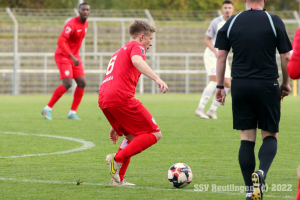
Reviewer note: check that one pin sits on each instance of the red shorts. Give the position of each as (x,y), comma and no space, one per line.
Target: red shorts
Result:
(133,119)
(66,68)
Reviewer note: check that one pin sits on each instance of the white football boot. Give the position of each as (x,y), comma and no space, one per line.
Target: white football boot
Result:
(200,112)
(114,166)
(122,183)
(212,114)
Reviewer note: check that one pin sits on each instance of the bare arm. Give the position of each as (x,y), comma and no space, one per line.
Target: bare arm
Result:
(285,88)
(144,68)
(221,66)
(210,45)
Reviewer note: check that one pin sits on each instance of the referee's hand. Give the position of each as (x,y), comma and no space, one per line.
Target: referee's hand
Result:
(285,90)
(220,96)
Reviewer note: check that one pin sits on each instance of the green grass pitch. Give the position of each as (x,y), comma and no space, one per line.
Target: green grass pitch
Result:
(209,147)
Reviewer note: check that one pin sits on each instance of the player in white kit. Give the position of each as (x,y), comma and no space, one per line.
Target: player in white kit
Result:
(210,62)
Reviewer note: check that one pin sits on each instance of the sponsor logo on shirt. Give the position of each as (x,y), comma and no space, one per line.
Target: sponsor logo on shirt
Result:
(79,30)
(142,49)
(68,29)
(108,79)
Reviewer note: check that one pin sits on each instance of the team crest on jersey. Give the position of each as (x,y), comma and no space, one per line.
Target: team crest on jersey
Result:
(67,72)
(209,30)
(68,29)
(142,49)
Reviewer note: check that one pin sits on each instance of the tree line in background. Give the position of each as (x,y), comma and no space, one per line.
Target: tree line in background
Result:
(146,4)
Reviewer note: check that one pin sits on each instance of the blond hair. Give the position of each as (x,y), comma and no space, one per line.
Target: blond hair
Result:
(140,26)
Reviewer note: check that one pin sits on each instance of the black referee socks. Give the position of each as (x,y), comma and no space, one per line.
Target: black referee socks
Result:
(247,161)
(267,153)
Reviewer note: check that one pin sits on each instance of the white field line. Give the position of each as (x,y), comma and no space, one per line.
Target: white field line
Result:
(135,187)
(86,145)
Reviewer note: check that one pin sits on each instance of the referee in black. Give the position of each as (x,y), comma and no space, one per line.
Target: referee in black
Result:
(254,36)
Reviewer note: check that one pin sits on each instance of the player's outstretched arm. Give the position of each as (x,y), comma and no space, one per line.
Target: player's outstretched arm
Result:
(221,66)
(285,88)
(144,68)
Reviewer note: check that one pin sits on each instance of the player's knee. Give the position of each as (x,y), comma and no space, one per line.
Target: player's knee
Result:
(67,83)
(81,84)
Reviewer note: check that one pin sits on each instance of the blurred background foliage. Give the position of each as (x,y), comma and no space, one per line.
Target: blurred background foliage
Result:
(277,5)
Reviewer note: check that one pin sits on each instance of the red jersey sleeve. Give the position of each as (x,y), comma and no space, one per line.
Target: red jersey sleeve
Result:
(139,50)
(68,30)
(62,43)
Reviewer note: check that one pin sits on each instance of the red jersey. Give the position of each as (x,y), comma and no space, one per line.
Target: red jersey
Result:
(74,31)
(296,47)
(121,78)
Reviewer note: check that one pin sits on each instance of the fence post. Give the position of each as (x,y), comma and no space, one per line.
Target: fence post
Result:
(100,67)
(16,75)
(153,48)
(95,39)
(123,33)
(187,76)
(45,74)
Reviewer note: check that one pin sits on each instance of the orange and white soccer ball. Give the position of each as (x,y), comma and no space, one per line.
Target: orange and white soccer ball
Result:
(180,175)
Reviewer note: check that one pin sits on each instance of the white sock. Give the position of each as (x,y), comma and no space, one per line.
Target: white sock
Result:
(48,108)
(207,92)
(216,104)
(72,112)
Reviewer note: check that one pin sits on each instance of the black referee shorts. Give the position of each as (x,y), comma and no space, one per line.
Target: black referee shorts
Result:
(255,103)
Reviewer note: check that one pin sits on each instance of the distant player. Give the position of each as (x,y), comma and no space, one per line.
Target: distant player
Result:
(68,61)
(125,113)
(210,62)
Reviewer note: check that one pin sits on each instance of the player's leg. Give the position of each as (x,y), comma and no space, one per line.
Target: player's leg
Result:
(66,74)
(210,63)
(215,104)
(137,121)
(127,139)
(79,76)
(247,157)
(206,94)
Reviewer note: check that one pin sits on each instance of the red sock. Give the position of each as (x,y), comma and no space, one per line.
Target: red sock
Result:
(125,161)
(58,92)
(137,145)
(298,193)
(77,98)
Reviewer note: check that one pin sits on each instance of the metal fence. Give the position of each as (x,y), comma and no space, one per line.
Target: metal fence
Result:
(29,43)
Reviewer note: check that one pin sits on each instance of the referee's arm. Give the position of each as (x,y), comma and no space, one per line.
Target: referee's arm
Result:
(221,66)
(285,88)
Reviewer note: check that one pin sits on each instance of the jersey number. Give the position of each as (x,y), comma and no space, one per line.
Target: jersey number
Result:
(111,65)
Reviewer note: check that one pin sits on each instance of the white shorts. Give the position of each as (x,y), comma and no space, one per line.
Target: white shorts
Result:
(210,62)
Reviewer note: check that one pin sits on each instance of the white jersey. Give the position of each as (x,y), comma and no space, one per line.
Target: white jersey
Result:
(210,59)
(212,31)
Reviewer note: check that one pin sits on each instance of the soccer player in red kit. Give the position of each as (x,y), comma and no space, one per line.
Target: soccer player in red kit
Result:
(124,112)
(293,66)
(68,61)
